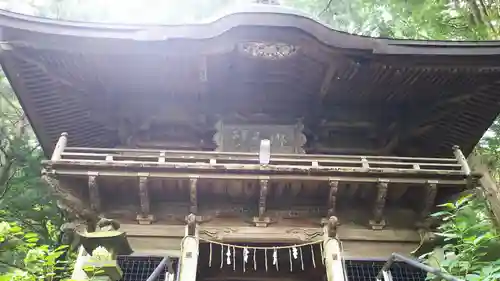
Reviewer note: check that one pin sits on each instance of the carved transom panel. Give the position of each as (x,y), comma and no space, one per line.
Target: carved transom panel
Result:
(247,137)
(268,50)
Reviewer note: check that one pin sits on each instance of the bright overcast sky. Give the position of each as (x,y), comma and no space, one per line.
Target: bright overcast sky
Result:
(123,11)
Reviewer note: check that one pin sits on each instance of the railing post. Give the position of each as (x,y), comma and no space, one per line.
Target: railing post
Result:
(461,160)
(60,147)
(166,262)
(265,152)
(386,276)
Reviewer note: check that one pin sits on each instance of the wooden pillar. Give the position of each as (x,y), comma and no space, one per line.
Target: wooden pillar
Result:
(378,221)
(60,146)
(429,202)
(95,200)
(262,220)
(189,251)
(332,251)
(264,183)
(193,195)
(145,216)
(332,197)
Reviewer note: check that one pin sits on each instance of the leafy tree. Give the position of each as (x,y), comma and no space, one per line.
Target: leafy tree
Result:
(471,243)
(20,183)
(30,260)
(29,221)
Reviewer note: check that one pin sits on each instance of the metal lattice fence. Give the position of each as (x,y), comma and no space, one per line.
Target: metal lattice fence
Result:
(359,270)
(137,268)
(140,268)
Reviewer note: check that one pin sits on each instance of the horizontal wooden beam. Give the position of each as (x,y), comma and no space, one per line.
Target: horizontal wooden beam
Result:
(272,233)
(173,175)
(348,124)
(314,168)
(353,249)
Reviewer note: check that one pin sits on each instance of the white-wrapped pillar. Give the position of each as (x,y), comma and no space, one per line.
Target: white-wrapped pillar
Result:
(189,252)
(333,260)
(332,251)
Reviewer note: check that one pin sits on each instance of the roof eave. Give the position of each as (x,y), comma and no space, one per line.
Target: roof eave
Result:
(252,16)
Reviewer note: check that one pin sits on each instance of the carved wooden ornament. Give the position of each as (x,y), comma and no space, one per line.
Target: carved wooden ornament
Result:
(193,184)
(268,50)
(332,197)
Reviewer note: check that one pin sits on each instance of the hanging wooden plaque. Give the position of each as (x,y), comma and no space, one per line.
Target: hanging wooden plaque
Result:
(247,137)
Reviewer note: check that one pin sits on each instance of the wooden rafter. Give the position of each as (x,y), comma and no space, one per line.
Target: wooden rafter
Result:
(418,124)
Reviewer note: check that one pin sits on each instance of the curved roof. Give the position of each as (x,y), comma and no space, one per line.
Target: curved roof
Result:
(256,15)
(438,93)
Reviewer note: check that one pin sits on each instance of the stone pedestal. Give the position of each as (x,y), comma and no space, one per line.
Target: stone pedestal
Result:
(104,246)
(103,270)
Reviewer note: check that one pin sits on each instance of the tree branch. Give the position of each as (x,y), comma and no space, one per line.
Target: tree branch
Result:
(326,7)
(6,183)
(10,103)
(5,172)
(18,267)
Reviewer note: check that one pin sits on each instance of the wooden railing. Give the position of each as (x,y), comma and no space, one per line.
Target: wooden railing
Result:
(247,162)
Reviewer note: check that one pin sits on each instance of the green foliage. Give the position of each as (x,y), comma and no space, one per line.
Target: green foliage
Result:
(30,260)
(409,19)
(471,244)
(29,219)
(489,150)
(24,198)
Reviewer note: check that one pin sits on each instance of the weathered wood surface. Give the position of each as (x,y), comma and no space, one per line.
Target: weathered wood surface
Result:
(287,188)
(246,137)
(356,249)
(247,168)
(241,163)
(271,234)
(151,155)
(364,178)
(357,243)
